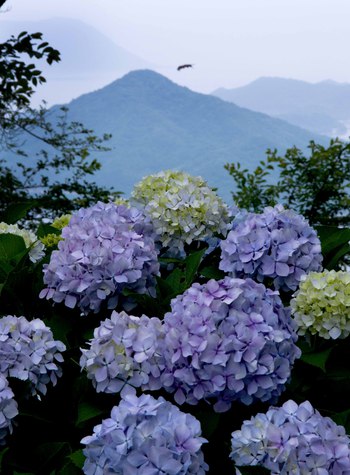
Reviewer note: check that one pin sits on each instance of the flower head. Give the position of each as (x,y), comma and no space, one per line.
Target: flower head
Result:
(145,436)
(292,439)
(8,408)
(105,249)
(228,340)
(277,244)
(124,350)
(31,241)
(322,304)
(182,208)
(29,352)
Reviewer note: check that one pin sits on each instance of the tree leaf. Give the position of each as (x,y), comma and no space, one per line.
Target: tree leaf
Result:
(17,211)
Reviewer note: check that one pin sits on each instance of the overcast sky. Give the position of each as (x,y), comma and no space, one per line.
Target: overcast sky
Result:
(230,42)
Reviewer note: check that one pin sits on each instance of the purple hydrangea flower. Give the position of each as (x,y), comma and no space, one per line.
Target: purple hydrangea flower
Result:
(105,249)
(277,244)
(29,352)
(292,439)
(228,340)
(125,349)
(145,436)
(8,408)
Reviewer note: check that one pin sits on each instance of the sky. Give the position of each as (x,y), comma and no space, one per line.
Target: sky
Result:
(230,42)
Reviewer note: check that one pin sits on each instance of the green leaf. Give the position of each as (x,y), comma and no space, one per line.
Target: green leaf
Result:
(45,229)
(87,411)
(192,263)
(17,211)
(212,273)
(12,250)
(318,359)
(335,244)
(78,458)
(175,281)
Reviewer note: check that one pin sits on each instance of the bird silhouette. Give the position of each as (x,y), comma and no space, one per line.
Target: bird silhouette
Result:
(183,66)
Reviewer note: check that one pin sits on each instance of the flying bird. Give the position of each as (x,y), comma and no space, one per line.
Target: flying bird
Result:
(183,66)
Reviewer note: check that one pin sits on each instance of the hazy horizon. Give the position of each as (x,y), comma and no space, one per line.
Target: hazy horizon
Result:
(231,43)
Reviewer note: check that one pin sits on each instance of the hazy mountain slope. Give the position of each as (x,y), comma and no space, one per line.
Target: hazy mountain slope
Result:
(89,59)
(158,125)
(323,107)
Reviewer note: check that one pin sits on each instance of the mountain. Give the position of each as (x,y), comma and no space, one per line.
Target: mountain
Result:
(157,125)
(89,59)
(322,108)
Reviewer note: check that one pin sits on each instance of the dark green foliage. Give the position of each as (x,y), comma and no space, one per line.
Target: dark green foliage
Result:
(314,185)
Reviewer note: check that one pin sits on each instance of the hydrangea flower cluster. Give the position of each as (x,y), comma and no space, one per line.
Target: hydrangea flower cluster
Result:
(228,340)
(105,249)
(322,304)
(182,208)
(29,352)
(36,252)
(145,436)
(125,349)
(51,239)
(8,408)
(292,439)
(277,244)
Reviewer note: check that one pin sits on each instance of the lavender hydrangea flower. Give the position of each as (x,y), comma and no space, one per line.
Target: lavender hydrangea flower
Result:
(125,349)
(105,249)
(182,208)
(8,408)
(228,340)
(292,439)
(145,436)
(29,352)
(277,244)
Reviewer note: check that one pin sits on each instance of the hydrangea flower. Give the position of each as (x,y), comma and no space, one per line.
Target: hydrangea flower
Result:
(29,352)
(125,349)
(277,244)
(292,439)
(322,304)
(8,408)
(31,241)
(105,249)
(228,340)
(51,239)
(145,436)
(182,208)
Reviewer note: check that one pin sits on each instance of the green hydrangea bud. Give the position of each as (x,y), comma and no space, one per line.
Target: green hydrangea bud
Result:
(322,304)
(182,208)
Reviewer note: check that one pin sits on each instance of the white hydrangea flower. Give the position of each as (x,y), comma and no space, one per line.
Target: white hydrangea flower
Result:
(30,239)
(322,304)
(182,208)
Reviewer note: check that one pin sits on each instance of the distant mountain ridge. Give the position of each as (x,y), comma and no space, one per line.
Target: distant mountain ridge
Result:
(89,59)
(157,125)
(323,107)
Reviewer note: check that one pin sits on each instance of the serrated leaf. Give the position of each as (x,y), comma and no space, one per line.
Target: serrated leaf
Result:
(87,411)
